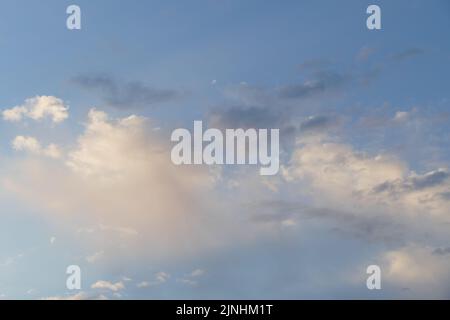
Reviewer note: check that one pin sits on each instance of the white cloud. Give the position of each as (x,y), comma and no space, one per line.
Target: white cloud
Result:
(77,296)
(191,279)
(162,277)
(345,179)
(37,108)
(418,269)
(339,173)
(11,260)
(95,257)
(143,284)
(197,273)
(33,146)
(108,285)
(31,291)
(401,116)
(119,176)
(188,282)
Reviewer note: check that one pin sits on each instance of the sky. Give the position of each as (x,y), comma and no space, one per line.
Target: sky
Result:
(85,171)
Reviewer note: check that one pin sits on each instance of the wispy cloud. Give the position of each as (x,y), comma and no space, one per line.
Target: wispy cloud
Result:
(125,95)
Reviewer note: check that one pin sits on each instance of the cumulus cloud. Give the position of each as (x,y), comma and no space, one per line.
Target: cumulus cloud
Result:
(37,108)
(33,146)
(118,179)
(376,197)
(418,269)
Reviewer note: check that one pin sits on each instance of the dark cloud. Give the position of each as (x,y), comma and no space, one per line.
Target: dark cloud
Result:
(259,107)
(367,227)
(445,195)
(428,180)
(132,94)
(407,54)
(442,251)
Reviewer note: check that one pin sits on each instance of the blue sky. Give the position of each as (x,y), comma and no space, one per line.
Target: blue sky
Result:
(363,118)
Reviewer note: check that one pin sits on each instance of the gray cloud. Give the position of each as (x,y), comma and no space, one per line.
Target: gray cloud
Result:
(428,180)
(445,195)
(279,106)
(133,94)
(245,117)
(321,82)
(400,56)
(367,227)
(442,251)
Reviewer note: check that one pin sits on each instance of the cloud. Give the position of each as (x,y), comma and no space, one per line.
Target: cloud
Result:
(78,296)
(197,273)
(318,123)
(143,284)
(117,179)
(415,182)
(192,278)
(376,197)
(442,251)
(418,269)
(37,108)
(282,107)
(11,260)
(95,257)
(321,82)
(106,285)
(245,117)
(124,95)
(160,277)
(402,116)
(188,282)
(364,53)
(33,146)
(406,54)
